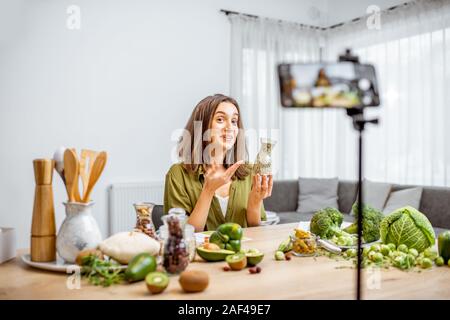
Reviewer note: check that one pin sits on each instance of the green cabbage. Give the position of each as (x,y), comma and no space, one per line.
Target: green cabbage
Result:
(407,226)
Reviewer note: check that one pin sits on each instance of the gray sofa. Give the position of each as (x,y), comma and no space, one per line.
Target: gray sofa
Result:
(435,202)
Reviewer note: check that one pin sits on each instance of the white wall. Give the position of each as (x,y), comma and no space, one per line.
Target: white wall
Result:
(122,83)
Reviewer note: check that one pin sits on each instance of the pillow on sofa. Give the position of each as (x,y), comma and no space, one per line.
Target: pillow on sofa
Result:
(375,194)
(402,198)
(316,194)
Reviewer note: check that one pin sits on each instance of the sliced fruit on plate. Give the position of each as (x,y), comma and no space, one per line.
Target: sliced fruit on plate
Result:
(213,255)
(237,261)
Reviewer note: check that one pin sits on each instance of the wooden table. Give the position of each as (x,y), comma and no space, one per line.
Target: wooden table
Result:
(299,278)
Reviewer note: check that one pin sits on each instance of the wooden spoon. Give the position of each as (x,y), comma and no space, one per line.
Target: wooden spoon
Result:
(96,171)
(71,174)
(87,159)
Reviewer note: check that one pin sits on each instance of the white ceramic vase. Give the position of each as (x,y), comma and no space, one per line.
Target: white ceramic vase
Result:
(78,231)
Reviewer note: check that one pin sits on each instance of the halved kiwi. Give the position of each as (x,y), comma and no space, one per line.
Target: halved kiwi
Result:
(156,282)
(237,261)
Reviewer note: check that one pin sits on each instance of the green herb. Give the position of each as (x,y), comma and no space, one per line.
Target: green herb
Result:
(101,272)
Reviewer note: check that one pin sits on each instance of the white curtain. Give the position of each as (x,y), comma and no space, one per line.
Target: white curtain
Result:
(411,52)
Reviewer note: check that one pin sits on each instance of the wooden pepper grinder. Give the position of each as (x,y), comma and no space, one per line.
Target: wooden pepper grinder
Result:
(43,228)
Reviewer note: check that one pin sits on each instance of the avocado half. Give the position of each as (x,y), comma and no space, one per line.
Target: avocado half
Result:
(254,257)
(213,255)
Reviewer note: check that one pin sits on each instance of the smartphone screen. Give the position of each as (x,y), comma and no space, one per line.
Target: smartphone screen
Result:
(328,85)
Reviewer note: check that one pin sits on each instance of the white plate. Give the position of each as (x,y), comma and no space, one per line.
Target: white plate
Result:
(304,225)
(58,266)
(270,221)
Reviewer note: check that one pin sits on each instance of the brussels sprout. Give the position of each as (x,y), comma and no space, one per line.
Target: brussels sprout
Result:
(411,260)
(385,250)
(350,253)
(375,247)
(396,254)
(430,254)
(439,261)
(403,248)
(414,252)
(366,251)
(279,255)
(426,263)
(392,246)
(377,257)
(419,261)
(341,241)
(401,262)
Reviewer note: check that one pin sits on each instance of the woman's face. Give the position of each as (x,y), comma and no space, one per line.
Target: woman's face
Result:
(224,125)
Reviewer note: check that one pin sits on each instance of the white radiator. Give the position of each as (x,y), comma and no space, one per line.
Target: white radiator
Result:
(122,196)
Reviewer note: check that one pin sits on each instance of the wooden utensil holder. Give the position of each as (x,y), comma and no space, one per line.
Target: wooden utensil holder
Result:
(43,227)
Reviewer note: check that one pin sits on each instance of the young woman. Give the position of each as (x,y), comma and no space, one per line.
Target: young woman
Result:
(210,183)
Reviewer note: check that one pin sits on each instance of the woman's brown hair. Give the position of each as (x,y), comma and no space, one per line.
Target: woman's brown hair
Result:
(204,113)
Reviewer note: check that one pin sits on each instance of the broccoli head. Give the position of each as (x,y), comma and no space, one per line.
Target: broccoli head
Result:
(371,223)
(326,223)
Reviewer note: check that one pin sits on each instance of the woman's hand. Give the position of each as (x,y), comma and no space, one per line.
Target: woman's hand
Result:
(261,188)
(214,178)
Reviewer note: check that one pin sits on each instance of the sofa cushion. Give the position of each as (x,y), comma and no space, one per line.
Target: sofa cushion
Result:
(375,194)
(316,194)
(284,196)
(402,198)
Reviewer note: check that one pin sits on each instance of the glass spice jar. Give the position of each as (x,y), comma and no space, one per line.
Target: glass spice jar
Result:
(303,243)
(144,221)
(176,253)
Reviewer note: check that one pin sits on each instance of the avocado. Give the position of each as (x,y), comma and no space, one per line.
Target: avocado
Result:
(141,265)
(254,256)
(213,255)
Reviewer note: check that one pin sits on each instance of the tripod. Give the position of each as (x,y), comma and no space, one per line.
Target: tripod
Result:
(359,123)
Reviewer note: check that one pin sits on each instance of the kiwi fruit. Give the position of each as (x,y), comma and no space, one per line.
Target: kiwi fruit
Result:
(86,253)
(156,282)
(194,280)
(237,261)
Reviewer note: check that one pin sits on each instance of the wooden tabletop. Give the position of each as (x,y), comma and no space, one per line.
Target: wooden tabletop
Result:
(299,278)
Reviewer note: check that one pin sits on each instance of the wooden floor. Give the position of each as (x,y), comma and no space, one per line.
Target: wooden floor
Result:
(299,278)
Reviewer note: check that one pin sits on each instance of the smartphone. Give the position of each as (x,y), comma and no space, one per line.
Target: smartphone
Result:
(328,85)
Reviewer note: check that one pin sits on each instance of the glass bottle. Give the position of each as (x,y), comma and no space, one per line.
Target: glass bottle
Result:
(263,163)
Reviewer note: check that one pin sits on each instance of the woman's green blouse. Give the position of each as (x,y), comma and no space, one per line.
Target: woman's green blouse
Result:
(182,190)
